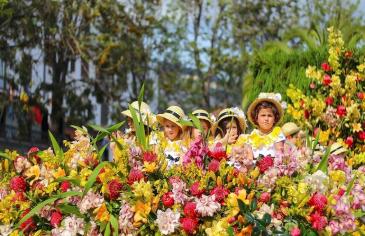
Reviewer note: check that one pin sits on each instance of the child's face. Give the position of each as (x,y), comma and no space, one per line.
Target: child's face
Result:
(265,119)
(196,132)
(171,130)
(232,128)
(130,123)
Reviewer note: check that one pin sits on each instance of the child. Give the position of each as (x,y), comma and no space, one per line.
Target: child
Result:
(205,123)
(173,131)
(265,113)
(293,134)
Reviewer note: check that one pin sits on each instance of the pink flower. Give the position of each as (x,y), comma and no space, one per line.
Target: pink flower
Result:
(190,210)
(207,206)
(135,175)
(265,163)
(149,157)
(318,201)
(214,166)
(295,232)
(220,193)
(168,199)
(167,221)
(218,152)
(349,141)
(18,184)
(195,189)
(341,111)
(264,197)
(318,221)
(326,67)
(189,225)
(312,85)
(326,80)
(56,218)
(65,185)
(196,153)
(329,101)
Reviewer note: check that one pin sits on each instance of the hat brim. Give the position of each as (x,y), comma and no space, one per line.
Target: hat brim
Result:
(147,122)
(253,105)
(161,117)
(241,123)
(206,119)
(290,131)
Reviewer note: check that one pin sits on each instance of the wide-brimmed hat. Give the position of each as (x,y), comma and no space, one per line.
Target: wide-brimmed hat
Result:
(143,110)
(203,115)
(290,128)
(173,114)
(337,148)
(231,112)
(274,98)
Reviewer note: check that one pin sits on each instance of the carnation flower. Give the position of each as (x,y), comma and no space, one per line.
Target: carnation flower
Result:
(189,225)
(265,163)
(114,187)
(220,193)
(135,175)
(195,189)
(214,166)
(65,185)
(207,206)
(18,184)
(318,201)
(295,231)
(190,210)
(56,218)
(167,221)
(318,221)
(167,199)
(218,152)
(149,157)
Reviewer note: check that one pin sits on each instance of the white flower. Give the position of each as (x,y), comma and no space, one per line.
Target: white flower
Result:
(207,206)
(318,181)
(91,200)
(5,230)
(167,221)
(126,219)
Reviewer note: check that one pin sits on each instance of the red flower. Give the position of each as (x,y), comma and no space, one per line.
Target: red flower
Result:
(135,175)
(326,67)
(341,111)
(318,221)
(195,189)
(18,184)
(56,218)
(190,210)
(361,135)
(318,201)
(32,152)
(349,141)
(114,187)
(348,54)
(220,193)
(329,101)
(341,192)
(65,185)
(98,177)
(312,85)
(306,114)
(265,163)
(218,152)
(29,224)
(214,165)
(360,95)
(295,232)
(326,80)
(149,157)
(189,225)
(264,197)
(168,199)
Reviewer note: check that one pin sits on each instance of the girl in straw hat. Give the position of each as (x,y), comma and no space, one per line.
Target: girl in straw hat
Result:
(265,113)
(172,144)
(205,123)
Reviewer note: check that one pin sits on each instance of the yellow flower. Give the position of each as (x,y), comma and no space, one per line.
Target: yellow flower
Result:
(218,228)
(232,202)
(84,174)
(141,211)
(324,136)
(356,127)
(338,176)
(59,173)
(102,213)
(361,67)
(149,167)
(142,189)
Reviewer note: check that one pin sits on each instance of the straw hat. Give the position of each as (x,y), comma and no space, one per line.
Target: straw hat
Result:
(173,114)
(148,118)
(202,115)
(231,112)
(274,98)
(290,128)
(337,148)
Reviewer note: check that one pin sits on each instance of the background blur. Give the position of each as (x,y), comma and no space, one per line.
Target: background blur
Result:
(79,62)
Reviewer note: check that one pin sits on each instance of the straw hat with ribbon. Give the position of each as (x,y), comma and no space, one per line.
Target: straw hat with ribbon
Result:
(274,98)
(290,128)
(231,112)
(143,110)
(203,115)
(173,114)
(337,148)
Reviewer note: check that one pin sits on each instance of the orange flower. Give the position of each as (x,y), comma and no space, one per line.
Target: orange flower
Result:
(102,213)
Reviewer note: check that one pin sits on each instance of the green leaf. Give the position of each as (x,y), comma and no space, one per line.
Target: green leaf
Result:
(323,165)
(230,231)
(38,207)
(267,219)
(115,127)
(250,218)
(196,122)
(99,128)
(253,205)
(141,95)
(139,127)
(359,213)
(186,123)
(70,209)
(99,137)
(92,177)
(107,230)
(78,128)
(70,179)
(243,207)
(114,223)
(101,151)
(58,151)
(4,155)
(351,184)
